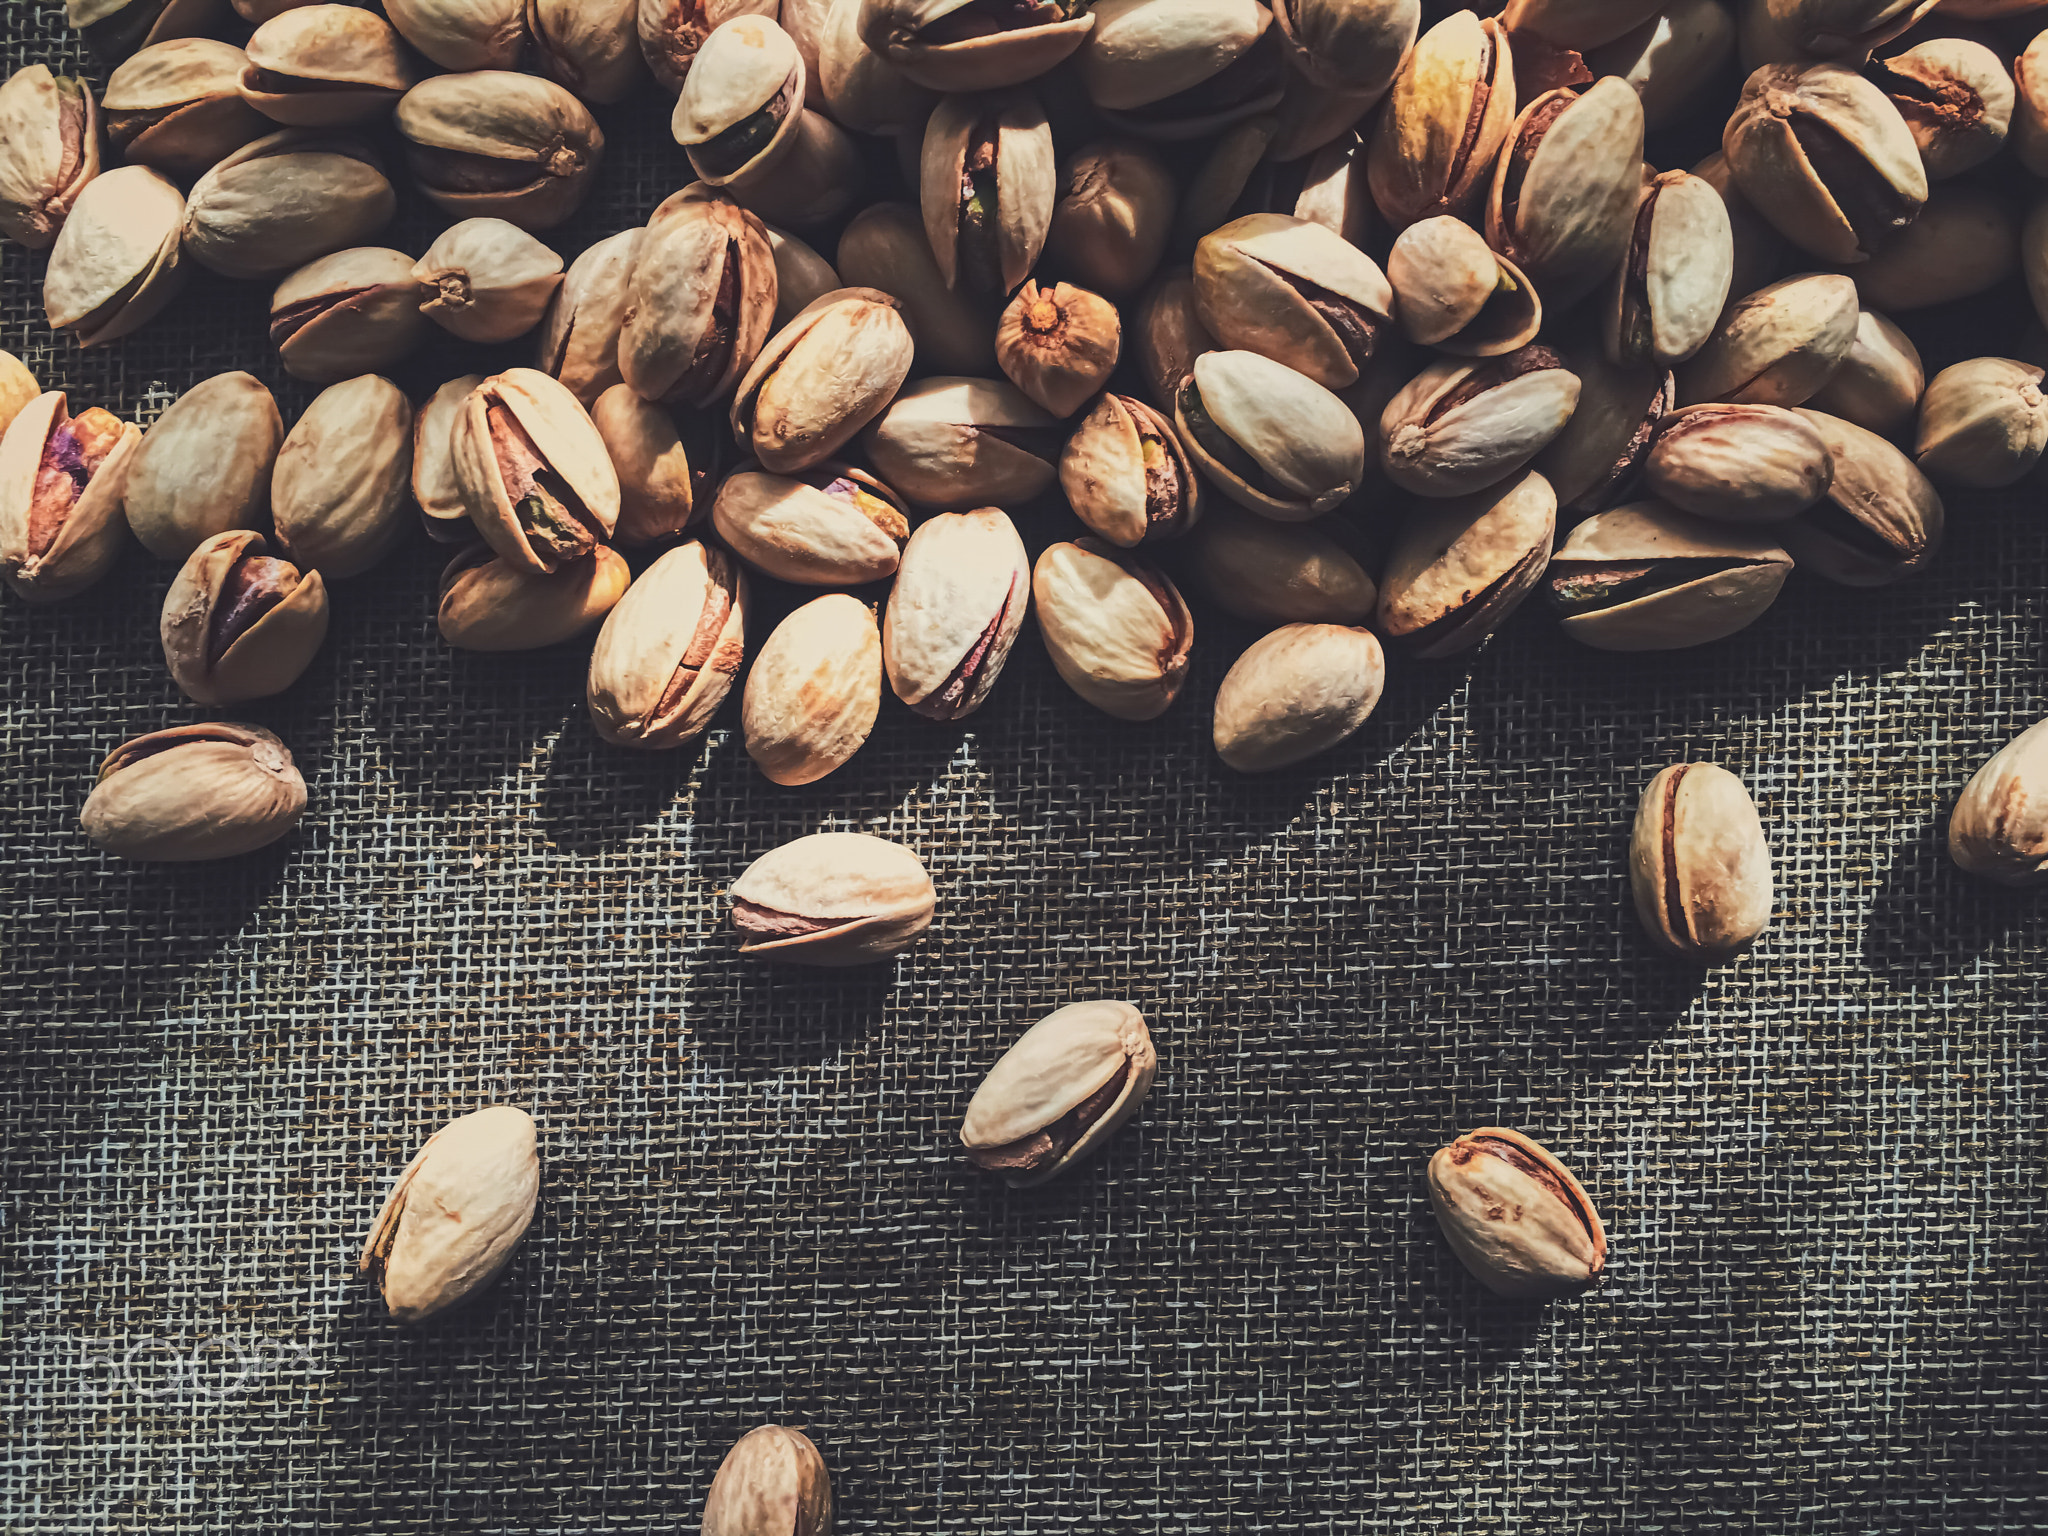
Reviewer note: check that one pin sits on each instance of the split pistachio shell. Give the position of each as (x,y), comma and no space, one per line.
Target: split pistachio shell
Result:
(498,144)
(18,388)
(345,314)
(772,1482)
(987,184)
(1879,383)
(194,792)
(534,472)
(664,464)
(884,247)
(1115,211)
(1964,242)
(1983,423)
(1117,629)
(1444,121)
(1279,573)
(239,625)
(489,604)
(1453,290)
(338,491)
(822,378)
(1057,1095)
(1826,28)
(951,443)
(1647,577)
(320,66)
(1999,828)
(1672,283)
(814,690)
(61,479)
(820,178)
(1956,98)
(1270,439)
(579,334)
(1292,291)
(486,280)
(204,468)
(1350,46)
(1597,459)
(434,485)
(1059,344)
(462,34)
(1673,59)
(830,525)
(178,107)
(1777,346)
(1699,865)
(802,276)
(1296,693)
(736,114)
(955,45)
(833,899)
(954,612)
(863,90)
(1460,425)
(1126,475)
(1738,463)
(49,151)
(116,262)
(588,46)
(700,299)
(1515,1216)
(1881,519)
(279,202)
(1179,69)
(1565,188)
(669,650)
(1460,567)
(672,32)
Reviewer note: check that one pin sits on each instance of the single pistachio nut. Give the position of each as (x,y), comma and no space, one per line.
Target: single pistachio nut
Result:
(987,184)
(1777,346)
(114,29)
(1956,98)
(1879,383)
(204,468)
(1578,24)
(178,106)
(321,66)
(1460,567)
(486,280)
(954,611)
(1061,1092)
(1117,629)
(1279,573)
(579,334)
(1982,423)
(1169,336)
(672,31)
(1830,28)
(822,378)
(434,485)
(665,462)
(833,899)
(1115,210)
(1673,59)
(669,649)
(450,1223)
(1331,189)
(2029,128)
(1444,121)
(1295,693)
(1761,253)
(1596,461)
(700,299)
(973,45)
(61,480)
(1126,475)
(737,113)
(1059,344)
(1225,179)
(1698,864)
(951,443)
(279,202)
(194,792)
(1460,425)
(116,262)
(821,176)
(489,604)
(884,247)
(1292,291)
(827,526)
(772,1482)
(1738,463)
(338,491)
(1274,441)
(1999,828)
(533,471)
(1964,242)
(1672,283)
(1566,187)
(1453,290)
(1881,519)
(1648,577)
(814,690)
(858,87)
(497,144)
(49,151)
(1350,46)
(1515,1216)
(802,276)
(1180,69)
(353,312)
(461,34)
(238,624)
(18,387)
(591,47)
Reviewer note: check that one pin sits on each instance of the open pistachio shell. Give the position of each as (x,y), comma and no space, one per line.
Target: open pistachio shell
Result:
(666,461)
(1180,69)
(1454,291)
(1668,291)
(1461,567)
(352,312)
(489,604)
(1461,424)
(1067,1085)
(700,299)
(1126,475)
(61,479)
(1776,346)
(860,88)
(738,110)
(1738,463)
(1999,828)
(238,624)
(987,184)
(959,45)
(194,792)
(579,335)
(178,106)
(1444,122)
(1117,629)
(1566,186)
(955,610)
(1647,577)
(1293,291)
(952,443)
(831,525)
(833,899)
(1698,864)
(669,649)
(320,66)
(822,378)
(534,472)
(49,150)
(434,486)
(279,202)
(1270,439)
(495,143)
(117,260)
(1596,460)
(1880,380)
(1673,59)
(1881,519)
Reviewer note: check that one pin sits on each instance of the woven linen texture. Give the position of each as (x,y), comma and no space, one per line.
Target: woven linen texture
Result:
(1820,1167)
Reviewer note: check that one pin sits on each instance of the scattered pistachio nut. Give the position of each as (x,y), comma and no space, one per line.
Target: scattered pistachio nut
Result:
(833,899)
(814,690)
(1880,379)
(665,463)
(498,144)
(1515,1216)
(589,47)
(352,312)
(280,201)
(1566,187)
(772,1482)
(1881,519)
(1116,627)
(1982,424)
(954,611)
(1453,290)
(1460,567)
(1461,425)
(1647,577)
(434,485)
(961,45)
(461,35)
(1295,693)
(1777,346)
(827,526)
(700,299)
(486,280)
(338,491)
(1698,864)
(49,151)
(204,468)
(177,106)
(1279,573)
(194,792)
(1059,1094)
(61,482)
(238,624)
(489,604)
(950,444)
(672,31)
(579,334)
(1180,69)
(1671,285)
(322,66)
(1272,440)
(533,471)
(1114,213)
(1738,463)
(736,116)
(1999,827)
(1126,475)
(987,184)
(117,260)
(822,378)
(669,649)
(1059,344)
(1444,120)
(1292,291)
(1956,98)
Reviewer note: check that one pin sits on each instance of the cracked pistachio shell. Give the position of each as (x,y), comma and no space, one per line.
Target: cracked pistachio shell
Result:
(1296,693)
(114,29)
(1059,344)
(833,899)
(1351,46)
(489,604)
(486,280)
(1515,1217)
(1566,185)
(1596,460)
(1169,336)
(434,485)
(533,471)
(1672,283)
(830,526)
(814,690)
(462,34)
(1126,475)
(1999,828)
(1648,577)
(772,1483)
(737,113)
(1460,425)
(1881,519)
(450,1223)
(320,66)
(238,624)
(1180,69)
(1982,424)
(1829,28)
(822,378)
(1453,290)
(579,334)
(1578,24)
(1444,121)
(802,276)
(1738,463)
(1699,865)
(669,649)
(338,492)
(1460,567)
(672,31)
(1879,383)
(18,389)
(116,262)
(61,480)
(861,89)
(178,106)
(590,47)
(981,150)
(884,247)
(1110,225)
(821,177)
(1272,440)
(1956,98)
(1777,346)
(1057,1095)
(956,45)
(1824,155)
(1279,573)
(700,299)
(285,199)
(194,792)
(1673,59)
(1292,291)
(345,314)
(497,144)
(664,463)
(1117,629)
(951,443)
(204,468)
(955,610)
(1964,242)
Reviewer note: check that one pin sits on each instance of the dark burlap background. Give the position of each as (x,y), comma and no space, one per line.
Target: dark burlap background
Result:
(1821,1168)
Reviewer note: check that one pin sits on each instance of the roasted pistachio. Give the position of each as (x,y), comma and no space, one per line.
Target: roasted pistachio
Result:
(857,87)
(533,471)
(820,178)
(737,113)
(178,106)
(954,612)
(884,247)
(1444,121)
(1126,475)
(772,1482)
(974,45)
(1879,383)
(1738,463)
(1515,1216)
(1460,425)
(814,690)
(590,47)
(49,150)
(1999,828)
(579,334)
(1279,573)
(1777,346)
(279,202)
(204,468)
(434,485)
(821,378)
(830,525)
(1983,423)
(1760,251)
(486,280)
(987,184)
(1672,59)
(671,32)
(462,34)
(116,262)
(238,624)
(1180,69)
(1668,291)
(1956,98)
(1881,519)
(1460,567)
(833,899)
(321,66)
(1647,577)
(338,491)
(1292,291)
(345,314)
(194,792)
(802,276)
(1273,441)
(1327,187)
(1060,1093)
(489,604)
(1699,865)
(1295,693)
(1452,290)
(61,479)
(497,144)
(114,29)
(1115,210)
(1349,46)
(700,299)
(1566,186)
(1597,459)
(1059,345)
(1828,28)
(1963,242)
(1169,336)
(952,443)
(18,388)
(666,463)
(1117,629)
(669,650)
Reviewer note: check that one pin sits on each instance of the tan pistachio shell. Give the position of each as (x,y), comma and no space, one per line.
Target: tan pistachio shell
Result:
(672,31)
(832,525)
(486,280)
(1296,693)
(117,261)
(700,300)
(1461,567)
(953,443)
(1025,182)
(498,144)
(822,378)
(1964,242)
(752,76)
(1247,277)
(279,202)
(2029,128)
(669,649)
(321,66)
(859,87)
(18,387)
(178,106)
(462,35)
(1672,59)
(802,276)
(1956,97)
(579,335)
(958,602)
(927,41)
(1777,346)
(338,492)
(1827,28)
(1452,290)
(1126,475)
(814,690)
(1162,69)
(1169,335)
(1879,382)
(1699,865)
(821,177)
(590,47)
(1738,463)
(194,792)
(1444,121)
(1059,344)
(434,486)
(515,428)
(1999,827)
(352,312)
(1306,447)
(1515,1217)
(884,247)
(1564,194)
(204,467)
(1881,519)
(1069,1084)
(49,151)
(772,1480)
(1578,24)
(216,654)
(1669,289)
(489,604)
(1115,210)
(1349,46)
(58,536)
(659,472)
(1117,629)
(1596,460)
(1722,579)
(1982,424)
(1280,573)
(1463,424)
(833,899)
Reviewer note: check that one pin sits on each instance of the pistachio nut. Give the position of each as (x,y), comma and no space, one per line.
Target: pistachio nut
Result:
(1114,213)
(1515,1216)
(700,299)
(1279,573)
(1272,440)
(194,792)
(2029,128)
(1180,69)
(772,1483)
(1295,693)
(820,178)
(1292,291)
(1313,117)
(533,471)
(579,334)
(1126,475)
(1777,346)
(61,479)
(486,280)
(338,491)
(1461,425)
(1597,459)
(829,525)
(1671,285)
(1453,290)
(1326,187)
(1881,519)
(1059,344)
(1444,121)
(954,612)
(1956,98)
(591,47)
(434,485)
(239,625)
(1566,187)
(49,150)
(116,262)
(1982,423)
(462,35)
(1350,46)
(814,690)
(671,32)
(1829,28)
(489,604)
(884,247)
(1879,383)
(821,378)
(833,899)
(1760,251)
(974,45)
(1460,567)
(863,90)
(1060,1093)
(1698,864)
(669,650)
(1647,577)
(450,1223)
(1999,828)
(1673,59)
(737,113)
(1738,463)
(987,185)
(1578,24)
(204,468)
(18,388)
(951,443)
(1230,176)
(279,202)
(665,462)
(256,12)
(345,314)
(114,29)
(1117,629)
(801,275)
(1169,336)
(321,66)
(1824,155)
(1964,242)
(498,144)
(178,107)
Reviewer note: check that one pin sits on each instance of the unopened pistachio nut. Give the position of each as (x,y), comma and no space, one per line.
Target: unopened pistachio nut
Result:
(1699,865)
(821,378)
(238,624)
(861,89)
(1982,423)
(963,45)
(1126,475)
(1059,344)
(736,114)
(277,203)
(814,690)
(1596,461)
(321,66)
(1515,1216)
(1463,424)
(1999,827)
(1881,519)
(1453,290)
(1295,693)
(1964,242)
(773,1481)
(61,479)
(178,106)
(1279,573)
(194,792)
(1180,69)
(672,31)
(884,247)
(666,462)
(1669,289)
(1648,577)
(700,299)
(1292,291)
(669,649)
(987,184)
(489,604)
(338,491)
(461,34)
(116,262)
(1879,383)
(1761,253)
(1114,213)
(49,150)
(1955,96)
(1348,46)
(591,47)
(833,899)
(1272,440)
(1828,28)
(1673,59)
(1057,1095)
(1444,121)
(1117,629)
(1169,336)
(1460,567)
(579,334)
(204,468)
(18,388)
(486,280)
(1566,186)
(1738,463)
(957,604)
(826,526)
(114,29)
(352,312)
(498,144)
(533,471)
(1777,346)
(952,443)
(802,276)
(434,486)
(450,1223)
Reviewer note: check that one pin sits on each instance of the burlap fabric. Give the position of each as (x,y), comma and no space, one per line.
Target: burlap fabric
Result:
(1821,1167)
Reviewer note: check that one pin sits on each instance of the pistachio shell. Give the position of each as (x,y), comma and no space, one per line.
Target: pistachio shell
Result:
(1462,425)
(823,377)
(1566,186)
(1596,460)
(1738,463)
(1699,865)
(338,491)
(1275,442)
(1114,213)
(1881,519)
(1963,242)
(589,47)
(1880,380)
(1460,567)
(237,625)
(819,179)
(660,475)
(1578,24)
(1673,59)
(978,148)
(579,334)
(486,280)
(1292,291)
(497,144)
(1647,577)
(1162,69)
(345,314)
(737,113)
(177,106)
(814,690)
(1296,693)
(951,443)
(1169,336)
(320,66)
(1999,828)
(204,468)
(1067,1086)
(672,32)
(802,276)
(1777,346)
(1825,28)
(773,1480)
(1956,98)
(1515,1216)
(1117,629)
(700,299)
(833,899)
(1126,475)
(61,480)
(1671,285)
(942,45)
(116,262)
(283,200)
(434,485)
(489,604)
(18,388)
(49,151)
(462,34)
(1983,423)
(1279,573)
(861,88)
(669,650)
(1351,46)
(833,525)
(1059,344)
(533,471)
(1453,291)
(1444,121)
(954,611)
(194,792)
